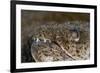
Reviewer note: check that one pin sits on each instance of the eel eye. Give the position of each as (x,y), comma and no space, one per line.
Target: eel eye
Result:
(74,34)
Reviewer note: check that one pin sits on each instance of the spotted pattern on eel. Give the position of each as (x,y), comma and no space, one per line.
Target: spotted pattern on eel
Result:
(60,44)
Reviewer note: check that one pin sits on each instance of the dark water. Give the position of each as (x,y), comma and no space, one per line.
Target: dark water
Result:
(33,19)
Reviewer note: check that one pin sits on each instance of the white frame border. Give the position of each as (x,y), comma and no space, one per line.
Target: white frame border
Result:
(20,65)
